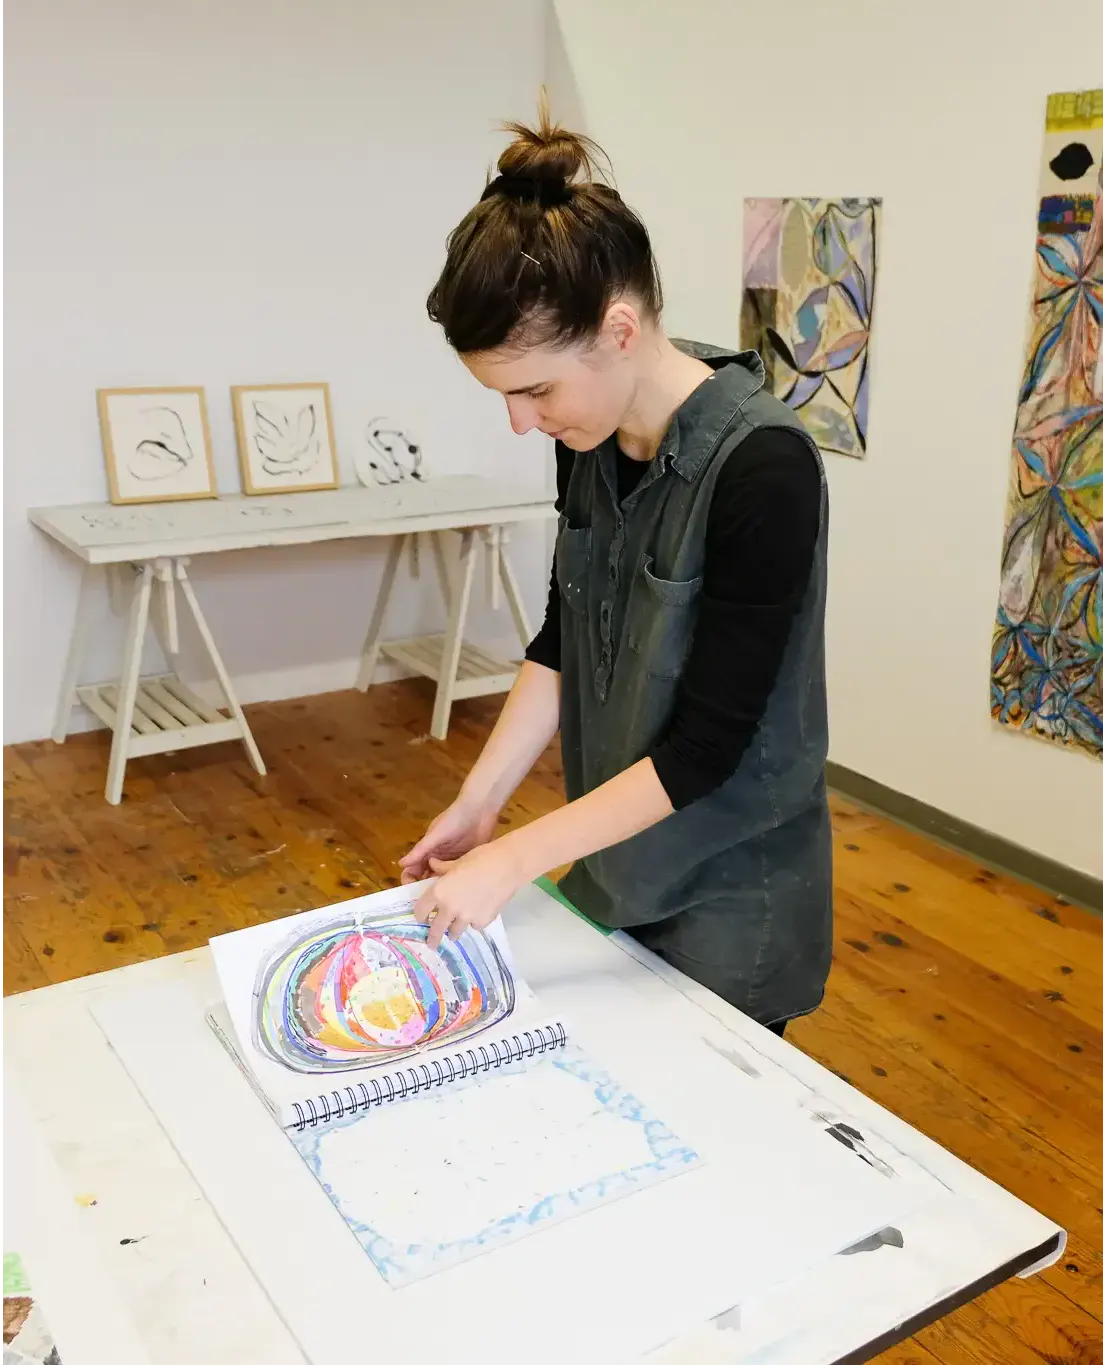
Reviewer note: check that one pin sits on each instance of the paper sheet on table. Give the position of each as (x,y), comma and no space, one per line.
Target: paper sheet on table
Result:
(773,1198)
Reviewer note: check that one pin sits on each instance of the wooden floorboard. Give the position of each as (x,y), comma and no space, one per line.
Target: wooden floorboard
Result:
(966,1002)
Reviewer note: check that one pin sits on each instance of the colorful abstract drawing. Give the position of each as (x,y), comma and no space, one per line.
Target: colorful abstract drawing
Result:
(809,267)
(355,991)
(27,1336)
(1047,656)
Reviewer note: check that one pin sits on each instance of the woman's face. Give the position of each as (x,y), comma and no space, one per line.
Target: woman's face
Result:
(577,394)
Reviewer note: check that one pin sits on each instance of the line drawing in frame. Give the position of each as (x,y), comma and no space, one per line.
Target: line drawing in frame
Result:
(285,437)
(157,444)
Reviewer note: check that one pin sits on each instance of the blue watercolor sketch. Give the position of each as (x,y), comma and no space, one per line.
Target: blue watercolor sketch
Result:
(486,1161)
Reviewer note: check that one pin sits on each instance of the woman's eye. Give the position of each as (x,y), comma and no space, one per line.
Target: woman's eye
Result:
(539,393)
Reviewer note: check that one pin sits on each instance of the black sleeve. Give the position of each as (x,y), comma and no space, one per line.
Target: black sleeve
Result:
(760,540)
(547,644)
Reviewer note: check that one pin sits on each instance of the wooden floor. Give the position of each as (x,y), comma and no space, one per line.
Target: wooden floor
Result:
(964,1001)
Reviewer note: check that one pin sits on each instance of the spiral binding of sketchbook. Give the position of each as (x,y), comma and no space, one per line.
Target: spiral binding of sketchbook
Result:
(399,1083)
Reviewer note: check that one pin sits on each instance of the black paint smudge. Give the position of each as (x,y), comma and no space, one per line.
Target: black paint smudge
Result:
(1055,997)
(1044,912)
(887,1237)
(890,940)
(852,1138)
(856,944)
(1071,162)
(736,1058)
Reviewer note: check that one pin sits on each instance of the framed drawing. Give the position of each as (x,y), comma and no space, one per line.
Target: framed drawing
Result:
(157,444)
(285,437)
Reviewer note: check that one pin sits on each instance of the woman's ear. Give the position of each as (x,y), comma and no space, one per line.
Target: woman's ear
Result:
(622,326)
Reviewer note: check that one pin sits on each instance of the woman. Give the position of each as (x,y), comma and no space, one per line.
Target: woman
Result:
(682,653)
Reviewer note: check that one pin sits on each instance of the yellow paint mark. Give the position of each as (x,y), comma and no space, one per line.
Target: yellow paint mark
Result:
(1074,109)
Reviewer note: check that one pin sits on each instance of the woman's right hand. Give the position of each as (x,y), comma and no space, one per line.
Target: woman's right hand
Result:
(456,831)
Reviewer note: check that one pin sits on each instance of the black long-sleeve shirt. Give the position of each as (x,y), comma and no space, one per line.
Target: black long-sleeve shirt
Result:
(760,537)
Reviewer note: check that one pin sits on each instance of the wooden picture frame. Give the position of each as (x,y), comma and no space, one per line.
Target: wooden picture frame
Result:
(285,441)
(156,444)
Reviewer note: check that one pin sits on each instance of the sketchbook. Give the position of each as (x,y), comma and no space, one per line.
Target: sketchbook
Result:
(443,1112)
(336,1011)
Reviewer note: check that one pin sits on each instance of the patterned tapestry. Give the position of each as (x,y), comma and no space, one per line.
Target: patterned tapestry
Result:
(1047,656)
(808,275)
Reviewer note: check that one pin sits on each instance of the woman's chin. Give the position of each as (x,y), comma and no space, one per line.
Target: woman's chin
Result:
(579,441)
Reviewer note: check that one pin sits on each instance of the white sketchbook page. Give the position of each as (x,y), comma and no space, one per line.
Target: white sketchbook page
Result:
(238,955)
(774,1199)
(486,1162)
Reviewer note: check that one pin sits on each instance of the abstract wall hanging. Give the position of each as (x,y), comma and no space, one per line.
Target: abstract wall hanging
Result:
(1047,655)
(809,269)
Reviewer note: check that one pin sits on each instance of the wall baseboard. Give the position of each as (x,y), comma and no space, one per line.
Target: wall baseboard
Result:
(1080,888)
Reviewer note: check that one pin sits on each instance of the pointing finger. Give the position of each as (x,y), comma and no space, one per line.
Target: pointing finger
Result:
(439,922)
(425,905)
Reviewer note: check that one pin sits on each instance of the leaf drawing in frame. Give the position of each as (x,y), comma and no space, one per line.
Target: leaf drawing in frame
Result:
(287,443)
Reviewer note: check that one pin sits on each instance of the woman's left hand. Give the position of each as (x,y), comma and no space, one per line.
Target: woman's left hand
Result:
(470,891)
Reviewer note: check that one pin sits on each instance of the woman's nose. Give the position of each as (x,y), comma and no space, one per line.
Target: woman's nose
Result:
(522,416)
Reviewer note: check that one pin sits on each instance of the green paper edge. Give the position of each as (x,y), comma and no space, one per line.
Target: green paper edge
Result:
(546,884)
(15,1277)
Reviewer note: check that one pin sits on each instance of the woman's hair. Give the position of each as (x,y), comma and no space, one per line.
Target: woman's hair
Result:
(545,251)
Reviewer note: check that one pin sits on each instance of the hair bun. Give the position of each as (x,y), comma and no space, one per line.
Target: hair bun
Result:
(548,152)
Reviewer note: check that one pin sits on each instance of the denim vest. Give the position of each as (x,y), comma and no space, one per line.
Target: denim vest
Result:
(736,887)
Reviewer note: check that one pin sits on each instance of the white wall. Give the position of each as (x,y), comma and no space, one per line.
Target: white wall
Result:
(939,108)
(241,191)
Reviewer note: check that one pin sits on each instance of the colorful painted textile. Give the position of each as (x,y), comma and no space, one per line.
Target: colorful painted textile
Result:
(1047,656)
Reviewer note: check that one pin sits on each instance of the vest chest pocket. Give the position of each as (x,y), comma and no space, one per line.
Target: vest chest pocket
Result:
(572,565)
(662,613)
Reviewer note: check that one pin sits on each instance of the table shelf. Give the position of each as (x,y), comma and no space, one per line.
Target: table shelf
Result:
(478,675)
(167,715)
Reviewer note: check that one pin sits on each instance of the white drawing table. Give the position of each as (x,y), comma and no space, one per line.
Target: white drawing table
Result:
(152,544)
(74,1288)
(222,1244)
